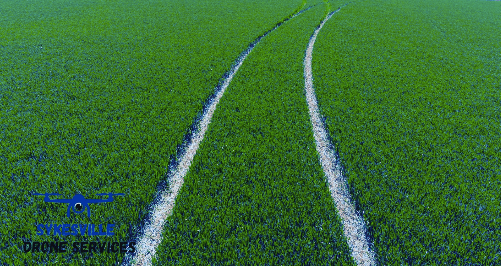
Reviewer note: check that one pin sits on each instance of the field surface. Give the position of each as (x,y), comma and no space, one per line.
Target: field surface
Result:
(411,96)
(97,97)
(103,96)
(256,193)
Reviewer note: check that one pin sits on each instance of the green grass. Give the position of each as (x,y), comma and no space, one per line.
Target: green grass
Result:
(255,193)
(96,96)
(411,95)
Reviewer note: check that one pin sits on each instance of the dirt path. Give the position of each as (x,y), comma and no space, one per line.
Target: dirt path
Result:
(353,223)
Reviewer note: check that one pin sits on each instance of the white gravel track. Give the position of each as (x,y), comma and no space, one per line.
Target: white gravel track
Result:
(353,223)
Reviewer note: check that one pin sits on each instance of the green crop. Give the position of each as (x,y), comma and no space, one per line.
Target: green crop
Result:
(255,193)
(100,96)
(411,93)
(97,96)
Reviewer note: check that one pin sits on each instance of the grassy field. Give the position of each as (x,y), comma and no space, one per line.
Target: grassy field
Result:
(255,192)
(97,96)
(411,96)
(101,96)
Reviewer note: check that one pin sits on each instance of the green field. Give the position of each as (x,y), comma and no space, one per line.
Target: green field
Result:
(411,93)
(103,96)
(97,96)
(256,193)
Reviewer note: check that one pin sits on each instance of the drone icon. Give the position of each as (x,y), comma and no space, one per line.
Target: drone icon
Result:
(78,203)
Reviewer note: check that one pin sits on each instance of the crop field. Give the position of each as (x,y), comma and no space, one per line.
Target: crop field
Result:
(411,94)
(255,192)
(100,97)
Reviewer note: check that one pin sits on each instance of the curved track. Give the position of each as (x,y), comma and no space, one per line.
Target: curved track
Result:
(353,223)
(151,235)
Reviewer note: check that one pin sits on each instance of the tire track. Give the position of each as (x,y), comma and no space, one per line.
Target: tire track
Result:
(151,233)
(353,223)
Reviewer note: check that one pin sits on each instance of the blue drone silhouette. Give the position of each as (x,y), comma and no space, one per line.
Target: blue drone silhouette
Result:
(78,203)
